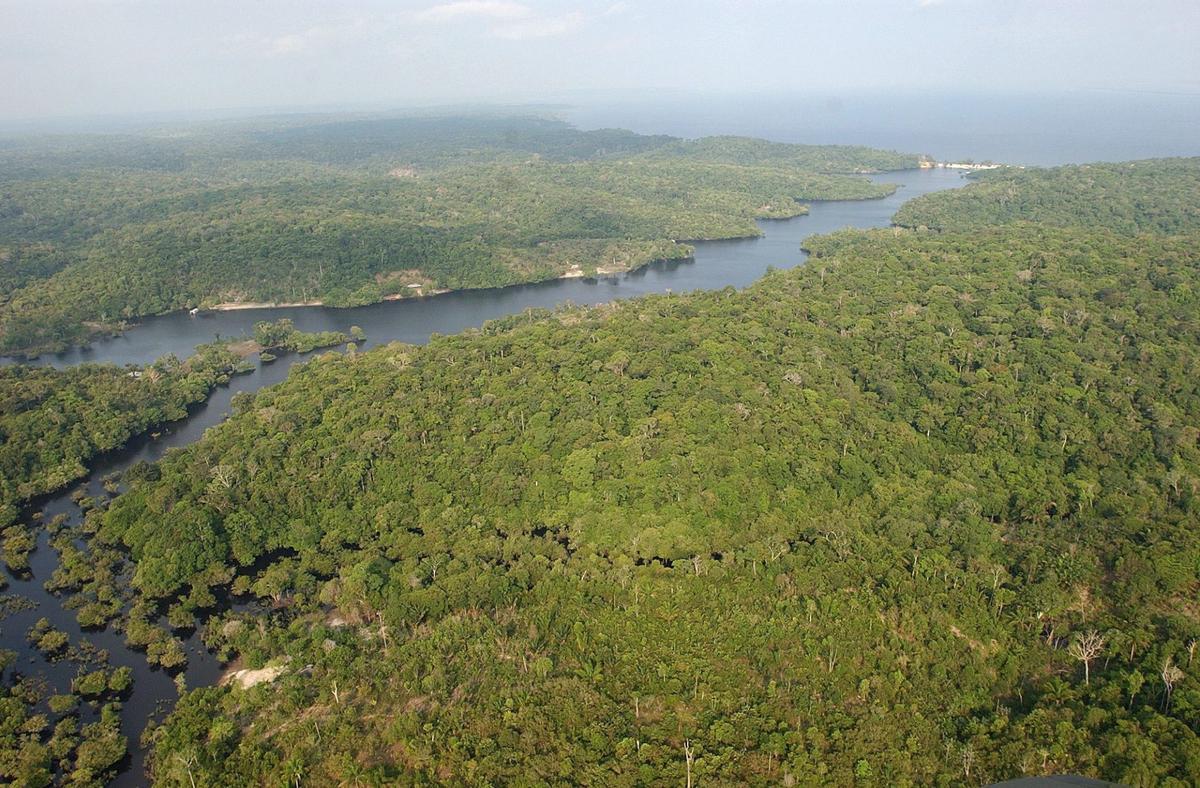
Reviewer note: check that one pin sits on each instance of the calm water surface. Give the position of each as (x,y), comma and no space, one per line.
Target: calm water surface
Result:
(1043,129)
(717,264)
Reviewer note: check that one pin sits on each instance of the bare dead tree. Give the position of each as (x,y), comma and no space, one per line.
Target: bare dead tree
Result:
(968,760)
(222,475)
(689,754)
(1086,647)
(1171,674)
(187,765)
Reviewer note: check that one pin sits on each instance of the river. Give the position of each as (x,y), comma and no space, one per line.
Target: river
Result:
(716,264)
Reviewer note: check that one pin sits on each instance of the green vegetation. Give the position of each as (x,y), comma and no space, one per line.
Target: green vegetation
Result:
(811,158)
(48,640)
(922,512)
(1159,195)
(70,739)
(283,335)
(94,232)
(53,421)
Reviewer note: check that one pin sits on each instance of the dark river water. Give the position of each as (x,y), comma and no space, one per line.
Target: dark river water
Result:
(717,264)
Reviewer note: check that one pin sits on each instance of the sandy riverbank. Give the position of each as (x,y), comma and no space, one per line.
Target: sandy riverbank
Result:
(233,306)
(415,294)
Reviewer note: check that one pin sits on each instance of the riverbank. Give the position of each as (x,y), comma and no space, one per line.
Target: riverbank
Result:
(574,272)
(240,306)
(964,165)
(234,306)
(412,319)
(714,265)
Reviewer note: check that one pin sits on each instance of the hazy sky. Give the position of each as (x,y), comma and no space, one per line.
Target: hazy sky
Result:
(82,57)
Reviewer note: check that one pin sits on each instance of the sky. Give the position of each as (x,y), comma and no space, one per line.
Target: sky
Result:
(69,58)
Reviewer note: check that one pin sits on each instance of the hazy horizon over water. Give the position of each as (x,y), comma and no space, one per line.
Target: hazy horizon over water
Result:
(1042,130)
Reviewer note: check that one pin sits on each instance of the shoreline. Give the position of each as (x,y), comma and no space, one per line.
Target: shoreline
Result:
(574,272)
(238,306)
(600,272)
(234,306)
(204,668)
(962,165)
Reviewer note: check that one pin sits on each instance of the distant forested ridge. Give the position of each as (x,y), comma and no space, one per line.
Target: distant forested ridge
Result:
(924,511)
(102,229)
(1153,196)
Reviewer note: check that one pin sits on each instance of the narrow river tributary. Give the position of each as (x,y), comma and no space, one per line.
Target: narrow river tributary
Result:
(716,264)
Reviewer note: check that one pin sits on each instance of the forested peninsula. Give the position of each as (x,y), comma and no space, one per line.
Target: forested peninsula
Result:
(1153,196)
(98,230)
(923,511)
(52,422)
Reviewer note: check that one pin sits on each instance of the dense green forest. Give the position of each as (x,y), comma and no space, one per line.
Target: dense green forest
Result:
(96,231)
(430,142)
(921,512)
(283,335)
(53,421)
(1158,195)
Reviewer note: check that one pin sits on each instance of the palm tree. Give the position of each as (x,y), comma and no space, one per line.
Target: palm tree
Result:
(294,768)
(1057,691)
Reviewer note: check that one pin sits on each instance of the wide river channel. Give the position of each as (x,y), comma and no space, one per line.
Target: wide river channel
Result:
(716,264)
